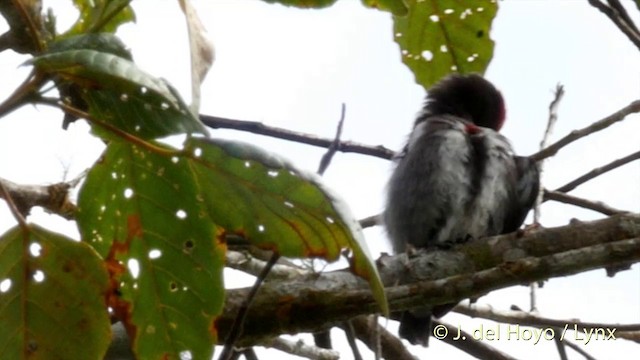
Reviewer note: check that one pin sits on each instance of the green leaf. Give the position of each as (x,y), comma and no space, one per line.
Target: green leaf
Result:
(102,42)
(101,15)
(145,215)
(122,95)
(313,4)
(443,36)
(396,7)
(183,204)
(52,292)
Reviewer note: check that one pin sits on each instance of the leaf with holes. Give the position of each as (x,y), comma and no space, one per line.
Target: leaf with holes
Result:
(264,198)
(396,7)
(439,37)
(52,292)
(143,212)
(159,216)
(122,95)
(101,15)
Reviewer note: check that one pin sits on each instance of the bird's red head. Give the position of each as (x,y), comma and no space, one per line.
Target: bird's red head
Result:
(470,97)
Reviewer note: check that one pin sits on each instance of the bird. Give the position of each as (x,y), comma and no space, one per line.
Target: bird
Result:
(457,178)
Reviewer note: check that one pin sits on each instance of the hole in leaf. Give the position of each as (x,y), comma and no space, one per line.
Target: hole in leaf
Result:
(399,34)
(330,220)
(434,18)
(449,11)
(181,214)
(154,254)
(188,246)
(186,355)
(124,97)
(134,267)
(273,173)
(143,90)
(128,193)
(174,159)
(164,106)
(35,249)
(5,285)
(454,68)
(405,52)
(261,228)
(38,276)
(443,48)
(173,287)
(427,55)
(288,204)
(114,175)
(480,33)
(480,9)
(137,128)
(197,152)
(247,164)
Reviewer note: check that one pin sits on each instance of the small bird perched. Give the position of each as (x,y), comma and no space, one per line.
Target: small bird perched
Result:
(456,179)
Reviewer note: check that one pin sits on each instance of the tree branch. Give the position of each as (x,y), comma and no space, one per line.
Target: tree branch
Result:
(301,349)
(580,202)
(53,198)
(262,129)
(436,277)
(530,319)
(619,115)
(619,20)
(597,172)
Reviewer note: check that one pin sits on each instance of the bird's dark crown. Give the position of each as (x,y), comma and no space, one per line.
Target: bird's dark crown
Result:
(470,97)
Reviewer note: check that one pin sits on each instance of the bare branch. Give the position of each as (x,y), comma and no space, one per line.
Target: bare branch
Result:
(619,20)
(251,265)
(530,319)
(299,348)
(619,115)
(580,202)
(436,277)
(553,118)
(371,221)
(391,346)
(597,172)
(262,129)
(53,198)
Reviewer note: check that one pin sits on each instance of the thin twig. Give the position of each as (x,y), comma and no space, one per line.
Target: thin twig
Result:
(583,203)
(299,348)
(236,327)
(597,172)
(4,193)
(562,351)
(262,129)
(553,118)
(619,115)
(351,339)
(619,21)
(617,6)
(326,158)
(371,221)
(577,349)
(528,319)
(389,345)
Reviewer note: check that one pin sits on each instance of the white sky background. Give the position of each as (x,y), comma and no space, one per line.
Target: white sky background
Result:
(292,68)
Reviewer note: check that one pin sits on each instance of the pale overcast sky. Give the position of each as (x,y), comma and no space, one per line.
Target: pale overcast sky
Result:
(293,68)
